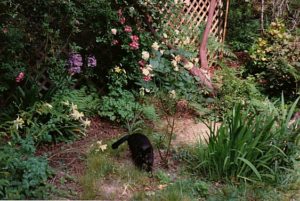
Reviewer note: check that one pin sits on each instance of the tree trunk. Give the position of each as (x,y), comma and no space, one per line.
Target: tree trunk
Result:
(203,45)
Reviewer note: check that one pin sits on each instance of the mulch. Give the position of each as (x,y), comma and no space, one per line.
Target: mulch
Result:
(67,159)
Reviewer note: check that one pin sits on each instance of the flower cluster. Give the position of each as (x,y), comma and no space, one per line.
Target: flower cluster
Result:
(20,77)
(146,68)
(134,42)
(76,115)
(76,62)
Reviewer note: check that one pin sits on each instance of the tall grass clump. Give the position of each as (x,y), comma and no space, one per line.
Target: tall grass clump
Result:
(249,147)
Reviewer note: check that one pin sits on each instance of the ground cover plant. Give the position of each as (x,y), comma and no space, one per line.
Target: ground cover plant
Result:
(75,76)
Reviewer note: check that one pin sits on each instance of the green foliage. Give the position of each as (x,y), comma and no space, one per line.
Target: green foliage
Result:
(234,89)
(118,105)
(248,147)
(276,61)
(243,24)
(23,175)
(86,99)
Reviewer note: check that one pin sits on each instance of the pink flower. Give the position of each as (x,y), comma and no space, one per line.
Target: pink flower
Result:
(128,29)
(134,38)
(134,45)
(147,78)
(122,20)
(142,63)
(20,77)
(115,42)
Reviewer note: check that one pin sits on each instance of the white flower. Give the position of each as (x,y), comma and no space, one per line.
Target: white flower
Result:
(73,106)
(174,63)
(176,68)
(175,1)
(188,65)
(196,60)
(162,51)
(76,114)
(145,71)
(165,35)
(18,123)
(177,58)
(147,90)
(172,94)
(155,46)
(145,55)
(101,146)
(149,67)
(114,31)
(176,31)
(48,105)
(86,123)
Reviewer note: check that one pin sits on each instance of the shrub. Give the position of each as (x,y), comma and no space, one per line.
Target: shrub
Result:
(248,147)
(234,89)
(275,61)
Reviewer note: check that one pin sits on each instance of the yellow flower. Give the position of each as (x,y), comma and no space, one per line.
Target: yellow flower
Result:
(118,69)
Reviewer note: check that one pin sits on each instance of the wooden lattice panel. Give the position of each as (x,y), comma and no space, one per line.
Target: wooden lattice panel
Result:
(191,16)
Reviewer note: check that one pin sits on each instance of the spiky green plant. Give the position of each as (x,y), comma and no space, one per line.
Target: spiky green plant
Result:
(248,147)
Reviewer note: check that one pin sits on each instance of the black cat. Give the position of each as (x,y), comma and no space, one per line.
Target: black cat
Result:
(140,148)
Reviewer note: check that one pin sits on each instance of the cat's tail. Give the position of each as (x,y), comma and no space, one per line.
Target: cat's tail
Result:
(120,141)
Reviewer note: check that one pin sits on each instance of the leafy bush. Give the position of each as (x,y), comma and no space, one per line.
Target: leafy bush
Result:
(248,147)
(23,175)
(119,104)
(234,89)
(276,61)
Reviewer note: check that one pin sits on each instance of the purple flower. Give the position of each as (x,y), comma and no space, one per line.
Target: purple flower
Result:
(74,70)
(75,60)
(92,62)
(75,63)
